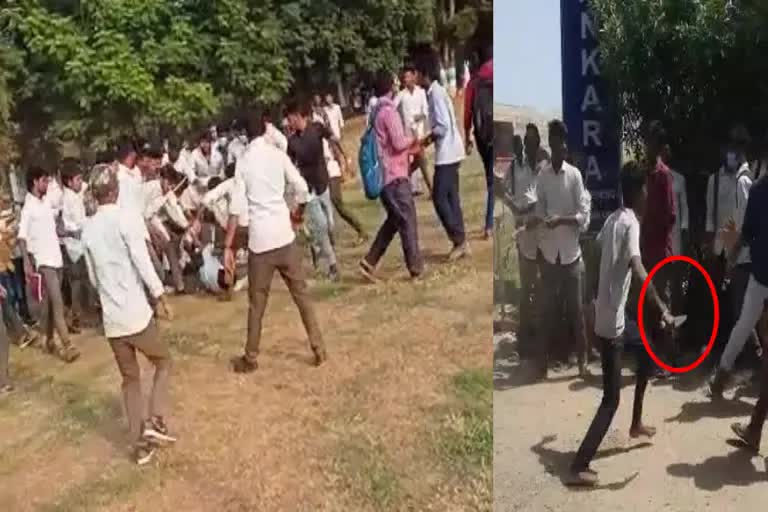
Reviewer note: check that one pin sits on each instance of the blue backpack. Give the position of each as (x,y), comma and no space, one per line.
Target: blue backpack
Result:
(370,168)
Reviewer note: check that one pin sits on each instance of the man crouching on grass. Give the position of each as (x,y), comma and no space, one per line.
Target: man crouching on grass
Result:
(620,261)
(119,267)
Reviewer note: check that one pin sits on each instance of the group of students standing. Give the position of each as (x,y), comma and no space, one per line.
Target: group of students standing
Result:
(552,209)
(221,212)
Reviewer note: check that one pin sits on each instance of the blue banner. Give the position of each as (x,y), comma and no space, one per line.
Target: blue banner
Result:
(589,110)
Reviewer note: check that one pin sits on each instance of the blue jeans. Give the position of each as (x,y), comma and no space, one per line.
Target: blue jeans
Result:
(486,154)
(447,201)
(319,211)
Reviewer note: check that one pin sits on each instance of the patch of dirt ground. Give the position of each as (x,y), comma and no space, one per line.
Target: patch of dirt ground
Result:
(399,418)
(688,466)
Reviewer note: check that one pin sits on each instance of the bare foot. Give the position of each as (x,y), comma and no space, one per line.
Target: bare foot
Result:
(642,431)
(747,440)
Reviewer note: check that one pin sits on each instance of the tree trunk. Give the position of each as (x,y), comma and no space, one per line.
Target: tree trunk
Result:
(341,93)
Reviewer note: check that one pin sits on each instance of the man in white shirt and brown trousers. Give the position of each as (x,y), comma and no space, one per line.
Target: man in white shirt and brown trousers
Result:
(563,211)
(261,177)
(39,243)
(120,268)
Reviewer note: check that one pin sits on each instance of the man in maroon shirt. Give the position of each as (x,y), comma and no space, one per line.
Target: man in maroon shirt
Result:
(659,220)
(656,229)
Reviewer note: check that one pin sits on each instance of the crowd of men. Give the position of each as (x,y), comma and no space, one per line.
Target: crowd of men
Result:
(552,208)
(218,214)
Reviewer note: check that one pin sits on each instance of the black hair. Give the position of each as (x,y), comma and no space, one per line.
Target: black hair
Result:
(70,168)
(125,146)
(214,182)
(739,136)
(427,62)
(518,142)
(35,173)
(204,136)
(229,171)
(485,53)
(531,127)
(384,83)
(169,173)
(656,133)
(558,129)
(149,150)
(409,68)
(255,125)
(221,280)
(633,179)
(303,108)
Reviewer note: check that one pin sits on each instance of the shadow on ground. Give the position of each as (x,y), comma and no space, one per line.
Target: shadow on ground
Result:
(734,469)
(557,463)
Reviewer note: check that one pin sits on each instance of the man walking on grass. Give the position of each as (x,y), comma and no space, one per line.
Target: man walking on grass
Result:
(39,243)
(413,105)
(478,114)
(120,268)
(395,148)
(449,153)
(620,260)
(261,177)
(306,148)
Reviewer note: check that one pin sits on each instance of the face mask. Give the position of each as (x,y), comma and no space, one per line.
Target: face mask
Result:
(731,160)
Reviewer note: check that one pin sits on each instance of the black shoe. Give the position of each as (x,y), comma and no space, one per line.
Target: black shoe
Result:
(243,365)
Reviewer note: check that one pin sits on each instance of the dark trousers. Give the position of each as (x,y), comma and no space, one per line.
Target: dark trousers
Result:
(561,294)
(5,351)
(447,201)
(761,407)
(77,275)
(52,317)
(611,362)
(401,218)
(486,154)
(529,290)
(261,269)
(337,198)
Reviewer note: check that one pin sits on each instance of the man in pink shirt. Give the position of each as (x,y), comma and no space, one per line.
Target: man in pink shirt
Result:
(394,148)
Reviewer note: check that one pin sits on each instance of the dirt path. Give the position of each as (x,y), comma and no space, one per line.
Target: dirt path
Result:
(688,467)
(399,419)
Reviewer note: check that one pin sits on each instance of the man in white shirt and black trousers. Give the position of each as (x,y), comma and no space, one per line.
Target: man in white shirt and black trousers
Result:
(72,220)
(563,212)
(261,176)
(39,243)
(120,268)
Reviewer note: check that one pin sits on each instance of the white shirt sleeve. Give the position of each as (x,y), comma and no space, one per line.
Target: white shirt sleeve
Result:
(238,204)
(742,196)
(633,240)
(584,201)
(137,248)
(24,224)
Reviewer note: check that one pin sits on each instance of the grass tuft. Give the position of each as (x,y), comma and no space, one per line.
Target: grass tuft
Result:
(365,471)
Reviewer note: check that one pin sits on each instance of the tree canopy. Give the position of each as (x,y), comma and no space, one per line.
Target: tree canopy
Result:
(697,65)
(85,71)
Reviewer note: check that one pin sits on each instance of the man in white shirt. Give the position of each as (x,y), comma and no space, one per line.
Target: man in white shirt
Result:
(73,219)
(335,116)
(620,261)
(120,269)
(563,212)
(204,166)
(449,153)
(262,175)
(238,144)
(413,105)
(273,135)
(219,202)
(131,190)
(521,199)
(39,243)
(728,208)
